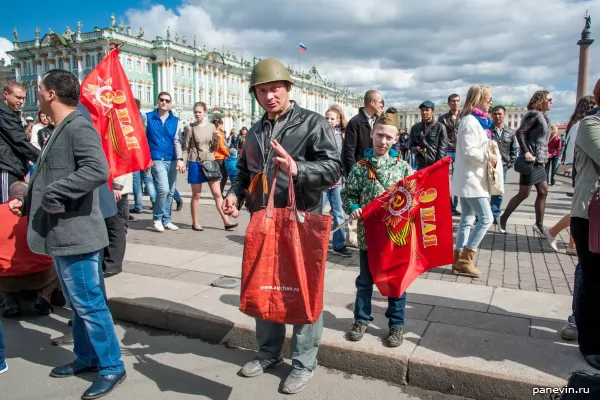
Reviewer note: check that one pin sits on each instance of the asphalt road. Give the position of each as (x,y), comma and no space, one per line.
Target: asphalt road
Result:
(161,365)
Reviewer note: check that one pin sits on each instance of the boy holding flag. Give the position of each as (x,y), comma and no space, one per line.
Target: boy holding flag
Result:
(381,168)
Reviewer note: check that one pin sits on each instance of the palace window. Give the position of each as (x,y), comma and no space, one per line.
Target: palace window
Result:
(139,92)
(129,64)
(189,72)
(182,70)
(60,64)
(175,70)
(189,96)
(138,66)
(88,61)
(147,68)
(175,94)
(148,94)
(98,58)
(46,66)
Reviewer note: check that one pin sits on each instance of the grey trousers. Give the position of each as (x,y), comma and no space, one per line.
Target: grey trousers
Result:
(305,342)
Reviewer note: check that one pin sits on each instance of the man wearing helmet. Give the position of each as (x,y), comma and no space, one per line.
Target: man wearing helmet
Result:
(299,141)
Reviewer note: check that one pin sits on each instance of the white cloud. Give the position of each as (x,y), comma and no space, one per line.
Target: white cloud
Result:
(5,45)
(409,50)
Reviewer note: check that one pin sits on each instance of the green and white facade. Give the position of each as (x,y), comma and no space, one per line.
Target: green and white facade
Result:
(189,74)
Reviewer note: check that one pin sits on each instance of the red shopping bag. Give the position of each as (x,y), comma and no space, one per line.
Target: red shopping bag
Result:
(283,269)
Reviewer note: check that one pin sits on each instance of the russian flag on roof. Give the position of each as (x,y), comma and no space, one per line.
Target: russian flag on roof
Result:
(301,46)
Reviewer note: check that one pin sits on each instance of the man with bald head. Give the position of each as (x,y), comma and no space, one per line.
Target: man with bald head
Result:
(16,151)
(20,269)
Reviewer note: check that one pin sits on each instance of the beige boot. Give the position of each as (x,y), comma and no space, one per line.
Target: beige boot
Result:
(456,267)
(465,261)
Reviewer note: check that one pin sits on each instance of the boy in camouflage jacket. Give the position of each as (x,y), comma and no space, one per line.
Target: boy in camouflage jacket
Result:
(371,177)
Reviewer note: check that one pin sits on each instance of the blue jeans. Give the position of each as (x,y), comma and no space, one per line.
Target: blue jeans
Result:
(137,191)
(164,174)
(95,340)
(413,161)
(335,199)
(306,339)
(473,207)
(176,195)
(454,201)
(576,290)
(1,344)
(149,185)
(364,293)
(496,200)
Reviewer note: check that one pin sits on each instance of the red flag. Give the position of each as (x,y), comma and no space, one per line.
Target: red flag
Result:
(106,93)
(409,229)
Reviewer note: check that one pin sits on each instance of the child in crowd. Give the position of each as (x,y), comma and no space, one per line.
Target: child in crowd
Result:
(231,164)
(377,172)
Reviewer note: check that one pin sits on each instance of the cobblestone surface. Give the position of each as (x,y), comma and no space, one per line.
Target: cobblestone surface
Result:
(516,260)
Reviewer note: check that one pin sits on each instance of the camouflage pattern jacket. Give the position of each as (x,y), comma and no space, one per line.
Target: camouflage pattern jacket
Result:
(362,187)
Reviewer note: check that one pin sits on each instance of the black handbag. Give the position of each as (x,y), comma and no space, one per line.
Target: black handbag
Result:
(522,166)
(210,168)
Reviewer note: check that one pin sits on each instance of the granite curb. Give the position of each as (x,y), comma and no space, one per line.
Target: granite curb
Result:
(366,359)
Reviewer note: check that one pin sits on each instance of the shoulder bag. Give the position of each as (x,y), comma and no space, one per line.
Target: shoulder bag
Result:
(494,174)
(210,168)
(594,218)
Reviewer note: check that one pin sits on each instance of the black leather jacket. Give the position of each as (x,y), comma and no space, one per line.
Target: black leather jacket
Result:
(309,140)
(432,140)
(507,143)
(15,148)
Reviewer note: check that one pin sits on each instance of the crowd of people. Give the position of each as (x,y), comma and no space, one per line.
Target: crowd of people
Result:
(66,230)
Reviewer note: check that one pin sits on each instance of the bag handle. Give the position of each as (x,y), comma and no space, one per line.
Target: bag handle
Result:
(291,203)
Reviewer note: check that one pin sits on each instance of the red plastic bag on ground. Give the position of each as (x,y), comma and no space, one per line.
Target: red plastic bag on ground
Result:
(409,229)
(283,269)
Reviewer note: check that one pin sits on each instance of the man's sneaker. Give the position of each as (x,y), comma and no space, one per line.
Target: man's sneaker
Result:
(158,226)
(296,381)
(257,366)
(394,338)
(356,332)
(3,367)
(171,226)
(344,252)
(569,331)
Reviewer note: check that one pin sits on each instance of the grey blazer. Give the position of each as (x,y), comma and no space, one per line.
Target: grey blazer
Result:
(66,180)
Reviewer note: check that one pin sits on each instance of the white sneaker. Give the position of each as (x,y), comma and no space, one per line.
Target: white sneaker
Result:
(158,226)
(171,226)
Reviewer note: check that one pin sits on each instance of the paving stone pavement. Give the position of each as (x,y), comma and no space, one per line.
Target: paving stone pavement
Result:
(516,260)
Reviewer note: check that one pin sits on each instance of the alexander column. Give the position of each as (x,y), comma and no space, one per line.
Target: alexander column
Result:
(584,57)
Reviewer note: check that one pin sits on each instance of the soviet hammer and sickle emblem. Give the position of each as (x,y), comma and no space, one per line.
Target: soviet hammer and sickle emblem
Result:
(399,200)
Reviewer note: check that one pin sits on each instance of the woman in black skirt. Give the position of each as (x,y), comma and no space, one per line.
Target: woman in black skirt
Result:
(533,136)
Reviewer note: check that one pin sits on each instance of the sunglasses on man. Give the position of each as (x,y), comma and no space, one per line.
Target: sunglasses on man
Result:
(163,100)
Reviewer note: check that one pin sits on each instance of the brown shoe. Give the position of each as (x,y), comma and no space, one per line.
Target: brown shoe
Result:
(456,267)
(465,261)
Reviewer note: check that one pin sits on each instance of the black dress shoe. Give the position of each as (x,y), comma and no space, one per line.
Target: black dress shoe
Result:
(593,360)
(11,310)
(41,306)
(71,370)
(103,385)
(58,298)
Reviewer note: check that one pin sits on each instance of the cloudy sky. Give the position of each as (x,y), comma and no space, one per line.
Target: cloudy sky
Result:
(410,50)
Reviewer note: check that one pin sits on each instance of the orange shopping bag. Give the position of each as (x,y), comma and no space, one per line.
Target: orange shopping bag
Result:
(283,269)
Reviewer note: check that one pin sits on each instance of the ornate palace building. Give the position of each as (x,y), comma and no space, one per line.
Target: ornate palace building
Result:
(171,64)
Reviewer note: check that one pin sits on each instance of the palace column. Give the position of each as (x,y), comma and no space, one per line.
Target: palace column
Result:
(196,86)
(79,68)
(584,59)
(18,72)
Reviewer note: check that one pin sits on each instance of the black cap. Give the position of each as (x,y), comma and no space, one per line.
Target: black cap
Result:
(427,104)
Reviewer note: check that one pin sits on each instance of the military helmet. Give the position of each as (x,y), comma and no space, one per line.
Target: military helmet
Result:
(269,70)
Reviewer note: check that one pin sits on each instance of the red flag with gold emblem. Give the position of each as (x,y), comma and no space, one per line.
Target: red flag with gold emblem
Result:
(106,93)
(409,229)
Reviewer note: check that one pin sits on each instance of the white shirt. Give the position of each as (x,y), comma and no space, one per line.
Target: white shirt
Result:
(469,179)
